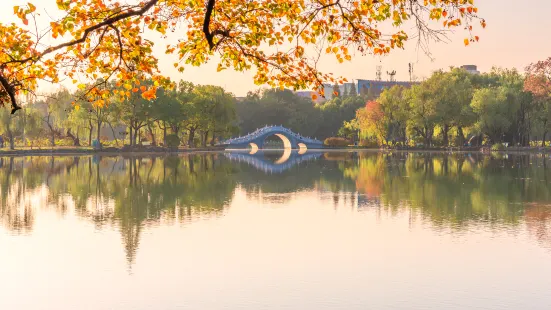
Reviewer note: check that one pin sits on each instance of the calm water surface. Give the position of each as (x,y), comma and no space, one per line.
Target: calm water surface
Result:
(276,231)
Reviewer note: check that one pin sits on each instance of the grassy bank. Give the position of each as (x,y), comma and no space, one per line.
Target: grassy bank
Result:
(68,150)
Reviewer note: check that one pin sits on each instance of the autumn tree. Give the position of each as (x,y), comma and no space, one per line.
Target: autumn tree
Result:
(100,40)
(372,123)
(538,82)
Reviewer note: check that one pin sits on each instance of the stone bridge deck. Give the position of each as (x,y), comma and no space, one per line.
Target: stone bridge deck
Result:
(256,139)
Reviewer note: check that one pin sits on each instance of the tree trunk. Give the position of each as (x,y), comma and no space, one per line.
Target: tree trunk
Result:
(99,131)
(130,135)
(164,136)
(91,127)
(204,138)
(460,135)
(76,141)
(153,140)
(191,137)
(175,129)
(10,136)
(52,138)
(135,137)
(445,139)
(113,132)
(543,138)
(90,136)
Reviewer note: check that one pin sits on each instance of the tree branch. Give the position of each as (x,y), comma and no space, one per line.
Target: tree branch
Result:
(11,93)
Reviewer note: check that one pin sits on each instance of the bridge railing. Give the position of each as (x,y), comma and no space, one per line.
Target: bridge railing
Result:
(261,131)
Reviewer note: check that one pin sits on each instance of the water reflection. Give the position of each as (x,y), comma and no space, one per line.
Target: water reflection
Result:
(272,161)
(127,192)
(133,193)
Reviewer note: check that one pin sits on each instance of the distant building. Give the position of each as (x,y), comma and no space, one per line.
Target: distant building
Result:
(374,87)
(344,89)
(310,94)
(371,88)
(471,69)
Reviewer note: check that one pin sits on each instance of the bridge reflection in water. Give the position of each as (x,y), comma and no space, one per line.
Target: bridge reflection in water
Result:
(260,159)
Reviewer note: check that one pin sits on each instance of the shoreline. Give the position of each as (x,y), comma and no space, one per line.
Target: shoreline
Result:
(159,150)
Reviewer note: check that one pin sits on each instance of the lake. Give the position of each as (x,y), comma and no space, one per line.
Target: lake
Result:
(316,230)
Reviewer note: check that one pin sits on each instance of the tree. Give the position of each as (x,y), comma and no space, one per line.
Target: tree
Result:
(459,104)
(494,114)
(352,91)
(97,39)
(32,125)
(55,110)
(538,82)
(216,109)
(424,116)
(373,123)
(395,109)
(9,127)
(168,111)
(349,130)
(135,110)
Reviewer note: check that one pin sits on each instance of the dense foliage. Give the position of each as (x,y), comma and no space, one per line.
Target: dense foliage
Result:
(283,107)
(457,108)
(88,40)
(193,114)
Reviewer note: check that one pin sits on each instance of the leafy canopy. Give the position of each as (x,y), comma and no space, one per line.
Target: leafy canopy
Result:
(281,40)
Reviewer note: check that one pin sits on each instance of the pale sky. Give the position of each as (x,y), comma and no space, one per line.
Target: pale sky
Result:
(516,35)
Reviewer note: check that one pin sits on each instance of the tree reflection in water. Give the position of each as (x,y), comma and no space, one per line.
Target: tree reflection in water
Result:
(130,193)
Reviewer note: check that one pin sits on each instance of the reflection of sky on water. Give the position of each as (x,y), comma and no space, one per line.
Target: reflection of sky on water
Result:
(335,231)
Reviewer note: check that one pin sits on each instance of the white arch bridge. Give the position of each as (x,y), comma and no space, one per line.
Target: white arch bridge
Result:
(256,139)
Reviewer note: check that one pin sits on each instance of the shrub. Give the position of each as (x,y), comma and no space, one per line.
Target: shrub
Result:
(172,140)
(336,141)
(498,147)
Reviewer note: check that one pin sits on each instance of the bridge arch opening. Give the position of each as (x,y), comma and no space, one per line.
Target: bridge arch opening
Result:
(284,139)
(302,148)
(254,148)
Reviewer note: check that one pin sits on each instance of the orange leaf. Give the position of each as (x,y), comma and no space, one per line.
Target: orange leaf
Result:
(466,41)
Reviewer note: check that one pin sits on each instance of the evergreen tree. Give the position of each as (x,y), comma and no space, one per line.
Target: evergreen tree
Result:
(352,92)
